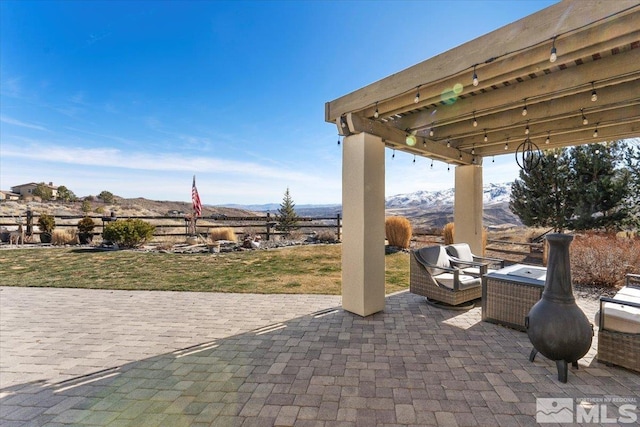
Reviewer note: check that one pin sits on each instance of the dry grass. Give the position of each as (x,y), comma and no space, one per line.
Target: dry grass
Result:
(64,237)
(311,269)
(398,231)
(447,233)
(222,233)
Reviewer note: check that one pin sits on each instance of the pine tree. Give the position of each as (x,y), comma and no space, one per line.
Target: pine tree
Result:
(287,216)
(581,188)
(539,196)
(600,186)
(632,159)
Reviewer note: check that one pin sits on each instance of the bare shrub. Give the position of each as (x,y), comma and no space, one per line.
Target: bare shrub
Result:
(603,259)
(64,237)
(326,236)
(447,233)
(398,231)
(222,233)
(295,234)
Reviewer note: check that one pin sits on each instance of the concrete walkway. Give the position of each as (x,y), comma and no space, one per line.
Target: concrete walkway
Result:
(120,358)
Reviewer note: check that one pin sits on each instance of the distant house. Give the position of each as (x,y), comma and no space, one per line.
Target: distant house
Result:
(26,190)
(8,195)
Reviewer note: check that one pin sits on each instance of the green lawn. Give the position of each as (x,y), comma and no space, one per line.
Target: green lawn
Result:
(311,269)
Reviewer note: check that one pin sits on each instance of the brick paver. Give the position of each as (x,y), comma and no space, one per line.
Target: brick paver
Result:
(264,360)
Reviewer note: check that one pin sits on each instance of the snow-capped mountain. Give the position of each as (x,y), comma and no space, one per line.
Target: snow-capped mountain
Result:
(492,194)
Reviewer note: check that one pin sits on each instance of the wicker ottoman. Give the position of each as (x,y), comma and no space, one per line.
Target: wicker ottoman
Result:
(509,293)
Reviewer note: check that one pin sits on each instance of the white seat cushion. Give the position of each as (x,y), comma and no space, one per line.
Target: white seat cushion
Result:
(620,317)
(466,282)
(475,271)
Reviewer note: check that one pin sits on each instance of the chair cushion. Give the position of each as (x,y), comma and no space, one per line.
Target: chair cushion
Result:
(466,281)
(620,317)
(434,255)
(475,271)
(461,251)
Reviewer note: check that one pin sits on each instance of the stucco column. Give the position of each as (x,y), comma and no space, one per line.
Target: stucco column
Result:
(467,208)
(363,230)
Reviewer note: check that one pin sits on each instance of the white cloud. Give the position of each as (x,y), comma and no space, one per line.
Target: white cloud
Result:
(10,121)
(168,162)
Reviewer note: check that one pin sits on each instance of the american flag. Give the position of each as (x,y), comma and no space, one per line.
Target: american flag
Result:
(195,198)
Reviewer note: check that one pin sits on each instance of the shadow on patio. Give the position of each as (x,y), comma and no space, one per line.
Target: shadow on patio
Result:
(412,364)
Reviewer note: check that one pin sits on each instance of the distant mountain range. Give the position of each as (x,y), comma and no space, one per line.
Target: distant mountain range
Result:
(425,208)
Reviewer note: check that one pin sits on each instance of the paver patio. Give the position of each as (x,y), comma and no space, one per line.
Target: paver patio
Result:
(91,357)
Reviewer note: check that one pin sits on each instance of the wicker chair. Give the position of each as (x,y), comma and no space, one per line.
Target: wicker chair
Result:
(619,326)
(433,275)
(461,252)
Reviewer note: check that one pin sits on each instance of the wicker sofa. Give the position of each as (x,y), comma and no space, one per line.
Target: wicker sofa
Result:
(619,326)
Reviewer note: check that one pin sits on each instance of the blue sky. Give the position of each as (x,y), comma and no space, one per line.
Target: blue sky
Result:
(137,97)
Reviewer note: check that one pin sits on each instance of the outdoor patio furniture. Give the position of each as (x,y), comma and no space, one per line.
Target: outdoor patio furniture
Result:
(509,293)
(619,326)
(433,274)
(462,252)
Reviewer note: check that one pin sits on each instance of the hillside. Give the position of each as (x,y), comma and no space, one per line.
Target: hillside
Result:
(122,208)
(425,209)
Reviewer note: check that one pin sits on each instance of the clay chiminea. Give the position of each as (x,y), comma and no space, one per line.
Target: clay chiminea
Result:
(556,326)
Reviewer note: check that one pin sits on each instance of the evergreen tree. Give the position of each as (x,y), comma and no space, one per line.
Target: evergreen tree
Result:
(86,206)
(601,187)
(581,188)
(43,191)
(287,216)
(65,194)
(632,158)
(539,196)
(106,196)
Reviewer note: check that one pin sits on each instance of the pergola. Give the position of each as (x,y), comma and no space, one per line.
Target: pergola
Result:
(566,75)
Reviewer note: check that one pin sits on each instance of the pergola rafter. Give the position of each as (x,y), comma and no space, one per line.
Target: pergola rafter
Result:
(598,49)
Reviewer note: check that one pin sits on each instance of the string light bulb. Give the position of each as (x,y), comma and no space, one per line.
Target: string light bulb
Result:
(486,137)
(548,140)
(393,156)
(526,130)
(448,167)
(448,144)
(506,144)
(475,122)
(493,159)
(554,52)
(424,143)
(414,158)
(338,139)
(585,121)
(473,149)
(524,109)
(475,80)
(376,114)
(417,98)
(460,154)
(431,163)
(594,94)
(431,132)
(595,132)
